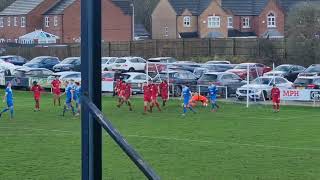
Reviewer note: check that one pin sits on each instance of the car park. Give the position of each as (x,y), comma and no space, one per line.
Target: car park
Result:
(136,80)
(260,88)
(184,65)
(212,68)
(32,72)
(176,79)
(16,60)
(5,66)
(43,62)
(313,70)
(68,64)
(307,82)
(107,63)
(66,76)
(129,64)
(226,80)
(288,71)
(255,70)
(23,77)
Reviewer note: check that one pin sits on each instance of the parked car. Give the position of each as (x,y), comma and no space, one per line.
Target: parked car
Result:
(313,70)
(136,80)
(66,76)
(218,62)
(130,64)
(288,71)
(43,62)
(224,79)
(177,78)
(5,66)
(255,70)
(32,72)
(184,65)
(155,68)
(307,82)
(212,68)
(260,88)
(107,63)
(16,60)
(68,64)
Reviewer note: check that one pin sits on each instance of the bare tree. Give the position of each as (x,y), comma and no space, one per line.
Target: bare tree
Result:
(303,28)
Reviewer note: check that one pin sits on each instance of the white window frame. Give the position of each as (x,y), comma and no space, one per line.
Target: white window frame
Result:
(230,22)
(186,21)
(23,21)
(166,31)
(271,20)
(1,21)
(8,21)
(214,21)
(15,21)
(55,21)
(245,22)
(46,21)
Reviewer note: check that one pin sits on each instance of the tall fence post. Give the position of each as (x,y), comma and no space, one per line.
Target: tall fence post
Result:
(233,46)
(91,86)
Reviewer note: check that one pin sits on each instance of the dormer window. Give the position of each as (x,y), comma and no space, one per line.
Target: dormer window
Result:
(187,21)
(245,22)
(271,20)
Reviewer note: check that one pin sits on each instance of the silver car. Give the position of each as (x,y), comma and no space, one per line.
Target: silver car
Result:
(260,88)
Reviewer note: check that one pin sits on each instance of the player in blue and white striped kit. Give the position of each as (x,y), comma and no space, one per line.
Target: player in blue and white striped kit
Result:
(186,99)
(213,97)
(8,98)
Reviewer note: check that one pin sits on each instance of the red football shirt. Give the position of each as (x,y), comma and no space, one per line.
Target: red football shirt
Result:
(275,93)
(154,90)
(164,88)
(146,92)
(36,91)
(56,86)
(127,91)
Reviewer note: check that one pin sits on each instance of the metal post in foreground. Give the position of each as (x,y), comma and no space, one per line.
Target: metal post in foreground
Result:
(91,87)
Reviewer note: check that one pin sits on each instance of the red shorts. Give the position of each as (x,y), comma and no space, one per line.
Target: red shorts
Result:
(126,97)
(164,96)
(276,100)
(57,92)
(147,99)
(36,97)
(153,98)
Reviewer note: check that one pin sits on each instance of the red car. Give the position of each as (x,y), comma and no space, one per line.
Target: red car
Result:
(255,70)
(154,67)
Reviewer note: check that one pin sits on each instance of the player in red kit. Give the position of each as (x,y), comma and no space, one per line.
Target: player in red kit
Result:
(126,94)
(154,96)
(118,88)
(55,85)
(121,93)
(275,94)
(164,92)
(36,94)
(146,97)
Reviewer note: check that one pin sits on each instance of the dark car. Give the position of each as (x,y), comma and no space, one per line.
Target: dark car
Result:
(16,60)
(288,71)
(255,70)
(223,79)
(177,78)
(43,62)
(212,68)
(313,70)
(307,82)
(184,65)
(68,64)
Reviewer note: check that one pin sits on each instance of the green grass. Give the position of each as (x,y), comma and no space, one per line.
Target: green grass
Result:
(234,143)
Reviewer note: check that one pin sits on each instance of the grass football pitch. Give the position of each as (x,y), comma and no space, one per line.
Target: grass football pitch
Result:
(234,143)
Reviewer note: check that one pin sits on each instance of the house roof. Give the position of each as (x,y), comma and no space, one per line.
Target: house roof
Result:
(237,7)
(21,7)
(61,5)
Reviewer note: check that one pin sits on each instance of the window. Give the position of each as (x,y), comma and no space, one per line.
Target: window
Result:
(9,21)
(46,21)
(246,22)
(271,20)
(166,31)
(187,21)
(213,21)
(55,20)
(15,21)
(23,22)
(280,81)
(1,21)
(230,22)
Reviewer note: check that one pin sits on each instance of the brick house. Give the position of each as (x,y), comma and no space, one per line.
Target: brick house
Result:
(220,18)
(63,20)
(22,17)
